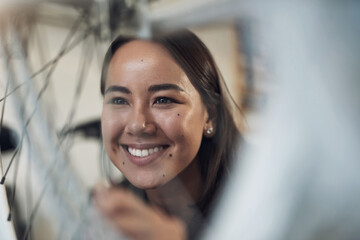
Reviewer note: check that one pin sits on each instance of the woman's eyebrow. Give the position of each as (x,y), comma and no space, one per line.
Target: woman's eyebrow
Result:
(166,86)
(118,89)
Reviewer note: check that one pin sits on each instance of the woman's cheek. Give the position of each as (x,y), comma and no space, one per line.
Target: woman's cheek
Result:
(174,125)
(109,125)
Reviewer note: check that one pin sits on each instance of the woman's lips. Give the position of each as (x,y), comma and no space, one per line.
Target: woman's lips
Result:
(144,155)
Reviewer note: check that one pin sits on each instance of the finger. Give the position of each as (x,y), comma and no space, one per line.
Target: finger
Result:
(112,201)
(132,217)
(150,225)
(131,226)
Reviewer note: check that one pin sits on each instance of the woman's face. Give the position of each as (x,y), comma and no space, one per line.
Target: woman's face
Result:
(153,118)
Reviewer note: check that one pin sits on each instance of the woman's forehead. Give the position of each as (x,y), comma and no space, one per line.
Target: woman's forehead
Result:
(140,50)
(147,61)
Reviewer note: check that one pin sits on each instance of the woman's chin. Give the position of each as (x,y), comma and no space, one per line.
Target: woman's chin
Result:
(146,186)
(146,183)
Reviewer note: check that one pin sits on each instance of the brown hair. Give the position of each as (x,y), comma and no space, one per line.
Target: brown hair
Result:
(215,154)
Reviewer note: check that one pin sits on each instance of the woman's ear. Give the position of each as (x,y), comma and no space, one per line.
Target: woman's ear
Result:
(210,126)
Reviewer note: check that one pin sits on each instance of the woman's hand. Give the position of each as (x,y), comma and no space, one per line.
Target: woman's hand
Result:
(133,218)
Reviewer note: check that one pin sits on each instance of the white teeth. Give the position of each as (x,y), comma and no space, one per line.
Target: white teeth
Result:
(144,152)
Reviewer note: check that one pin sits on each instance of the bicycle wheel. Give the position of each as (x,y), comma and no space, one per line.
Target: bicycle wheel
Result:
(41,103)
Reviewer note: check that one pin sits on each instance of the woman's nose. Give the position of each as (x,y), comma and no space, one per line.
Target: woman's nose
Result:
(140,123)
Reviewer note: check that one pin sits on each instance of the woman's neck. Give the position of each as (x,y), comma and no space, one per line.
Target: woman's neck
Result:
(179,196)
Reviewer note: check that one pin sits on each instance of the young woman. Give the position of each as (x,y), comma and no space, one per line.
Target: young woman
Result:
(167,127)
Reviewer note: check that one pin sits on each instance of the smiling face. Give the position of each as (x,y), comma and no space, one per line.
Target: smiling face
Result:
(153,118)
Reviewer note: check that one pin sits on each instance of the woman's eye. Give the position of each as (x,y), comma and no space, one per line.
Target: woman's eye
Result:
(164,100)
(118,101)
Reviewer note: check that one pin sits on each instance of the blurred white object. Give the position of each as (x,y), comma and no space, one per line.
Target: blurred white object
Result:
(7,230)
(302,179)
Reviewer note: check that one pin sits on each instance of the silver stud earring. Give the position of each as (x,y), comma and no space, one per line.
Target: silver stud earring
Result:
(209,130)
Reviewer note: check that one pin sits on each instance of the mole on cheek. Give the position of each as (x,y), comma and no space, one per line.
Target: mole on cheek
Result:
(170,155)
(142,60)
(123,163)
(163,175)
(178,114)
